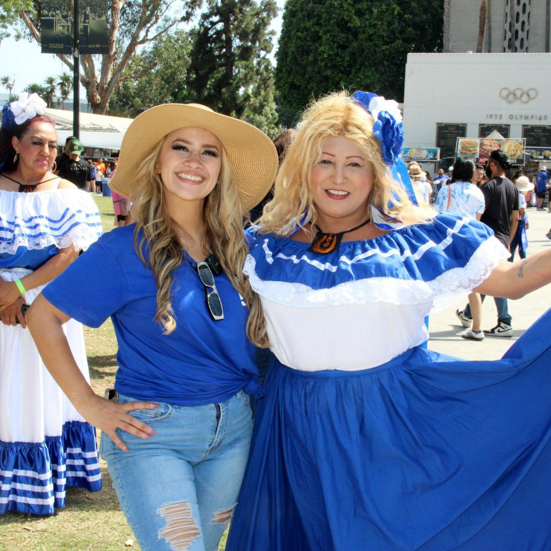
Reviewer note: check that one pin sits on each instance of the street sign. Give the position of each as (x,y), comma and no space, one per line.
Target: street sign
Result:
(56,26)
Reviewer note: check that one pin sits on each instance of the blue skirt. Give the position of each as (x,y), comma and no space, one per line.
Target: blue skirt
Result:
(425,453)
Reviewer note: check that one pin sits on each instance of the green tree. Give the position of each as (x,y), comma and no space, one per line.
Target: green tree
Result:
(35,88)
(9,13)
(54,91)
(8,83)
(156,75)
(230,70)
(65,86)
(131,24)
(50,90)
(352,44)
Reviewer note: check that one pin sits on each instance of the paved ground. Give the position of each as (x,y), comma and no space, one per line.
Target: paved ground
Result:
(445,327)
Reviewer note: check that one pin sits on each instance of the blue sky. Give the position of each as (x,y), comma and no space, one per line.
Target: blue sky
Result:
(22,60)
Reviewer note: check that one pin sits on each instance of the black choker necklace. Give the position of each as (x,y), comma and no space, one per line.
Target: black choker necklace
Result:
(27,188)
(325,243)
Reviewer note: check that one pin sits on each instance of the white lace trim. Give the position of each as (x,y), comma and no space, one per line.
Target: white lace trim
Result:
(442,291)
(82,236)
(458,282)
(39,220)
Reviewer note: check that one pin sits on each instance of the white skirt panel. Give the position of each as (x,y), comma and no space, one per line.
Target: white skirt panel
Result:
(32,406)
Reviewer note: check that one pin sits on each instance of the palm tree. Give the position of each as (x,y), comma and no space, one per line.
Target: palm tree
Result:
(50,87)
(8,84)
(35,88)
(65,85)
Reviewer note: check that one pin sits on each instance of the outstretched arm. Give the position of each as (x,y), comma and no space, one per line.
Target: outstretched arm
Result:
(514,280)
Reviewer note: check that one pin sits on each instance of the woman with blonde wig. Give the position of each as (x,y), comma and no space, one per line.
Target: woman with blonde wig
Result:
(365,439)
(176,430)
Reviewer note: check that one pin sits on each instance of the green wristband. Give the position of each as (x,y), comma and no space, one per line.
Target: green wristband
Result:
(20,286)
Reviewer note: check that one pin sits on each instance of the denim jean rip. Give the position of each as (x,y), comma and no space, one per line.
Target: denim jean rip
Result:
(181,529)
(223,516)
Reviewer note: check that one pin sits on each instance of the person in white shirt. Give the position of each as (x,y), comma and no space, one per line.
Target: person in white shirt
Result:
(420,184)
(465,198)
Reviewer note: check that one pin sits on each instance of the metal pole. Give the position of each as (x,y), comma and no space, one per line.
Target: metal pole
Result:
(76,71)
(547,24)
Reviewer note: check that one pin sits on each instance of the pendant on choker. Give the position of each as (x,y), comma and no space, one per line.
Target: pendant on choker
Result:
(325,243)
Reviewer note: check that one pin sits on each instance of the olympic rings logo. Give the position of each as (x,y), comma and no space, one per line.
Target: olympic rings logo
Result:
(518,94)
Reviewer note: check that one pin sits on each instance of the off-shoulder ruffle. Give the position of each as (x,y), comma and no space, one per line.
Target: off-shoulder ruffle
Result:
(437,262)
(56,217)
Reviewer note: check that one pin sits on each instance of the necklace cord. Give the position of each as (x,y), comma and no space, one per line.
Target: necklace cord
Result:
(24,187)
(364,223)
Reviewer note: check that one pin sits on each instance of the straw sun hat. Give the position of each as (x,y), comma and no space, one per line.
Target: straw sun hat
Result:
(415,171)
(252,155)
(523,184)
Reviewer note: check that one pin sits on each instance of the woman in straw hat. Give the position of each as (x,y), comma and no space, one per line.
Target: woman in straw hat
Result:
(176,434)
(365,439)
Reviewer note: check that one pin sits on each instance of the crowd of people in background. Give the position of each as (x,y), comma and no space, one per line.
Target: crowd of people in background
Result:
(484,192)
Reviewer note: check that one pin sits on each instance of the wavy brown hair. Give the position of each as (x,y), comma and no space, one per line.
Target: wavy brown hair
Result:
(156,232)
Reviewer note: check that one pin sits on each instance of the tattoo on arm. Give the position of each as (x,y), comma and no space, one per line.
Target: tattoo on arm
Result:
(521,268)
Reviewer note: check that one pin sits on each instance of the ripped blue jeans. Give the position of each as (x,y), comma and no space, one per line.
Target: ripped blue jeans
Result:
(178,489)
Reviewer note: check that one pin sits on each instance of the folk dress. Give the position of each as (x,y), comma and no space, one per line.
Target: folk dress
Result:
(365,439)
(45,444)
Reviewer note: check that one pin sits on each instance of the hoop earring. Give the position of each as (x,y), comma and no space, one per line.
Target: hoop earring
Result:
(54,167)
(15,159)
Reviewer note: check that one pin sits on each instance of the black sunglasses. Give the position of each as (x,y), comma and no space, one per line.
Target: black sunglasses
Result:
(213,298)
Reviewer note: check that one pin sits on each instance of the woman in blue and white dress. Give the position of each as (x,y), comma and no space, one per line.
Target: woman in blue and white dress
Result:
(45,445)
(365,439)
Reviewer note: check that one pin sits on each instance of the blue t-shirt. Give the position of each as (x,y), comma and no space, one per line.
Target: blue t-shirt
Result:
(541,180)
(203,361)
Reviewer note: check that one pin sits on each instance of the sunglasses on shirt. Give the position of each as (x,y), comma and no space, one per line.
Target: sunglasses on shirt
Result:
(213,298)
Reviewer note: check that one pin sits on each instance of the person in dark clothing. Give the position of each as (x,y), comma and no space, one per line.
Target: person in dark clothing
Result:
(64,156)
(75,169)
(500,214)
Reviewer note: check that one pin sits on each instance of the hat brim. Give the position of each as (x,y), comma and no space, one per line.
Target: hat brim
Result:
(252,155)
(525,186)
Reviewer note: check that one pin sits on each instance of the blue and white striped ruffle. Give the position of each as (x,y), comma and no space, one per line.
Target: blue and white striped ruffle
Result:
(45,218)
(34,477)
(435,262)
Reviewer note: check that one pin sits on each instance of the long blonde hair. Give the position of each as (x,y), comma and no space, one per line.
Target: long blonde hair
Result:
(336,115)
(224,216)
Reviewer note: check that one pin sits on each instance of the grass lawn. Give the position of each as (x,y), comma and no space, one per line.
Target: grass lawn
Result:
(89,521)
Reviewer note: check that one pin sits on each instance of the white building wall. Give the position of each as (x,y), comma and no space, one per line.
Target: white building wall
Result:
(465,88)
(537,26)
